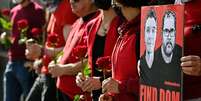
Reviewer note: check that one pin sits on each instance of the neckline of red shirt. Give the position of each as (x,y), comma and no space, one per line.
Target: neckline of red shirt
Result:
(127,27)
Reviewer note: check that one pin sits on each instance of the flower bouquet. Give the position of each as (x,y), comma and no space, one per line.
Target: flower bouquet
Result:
(6,25)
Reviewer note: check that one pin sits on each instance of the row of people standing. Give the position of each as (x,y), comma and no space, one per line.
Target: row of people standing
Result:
(104,32)
(17,80)
(59,24)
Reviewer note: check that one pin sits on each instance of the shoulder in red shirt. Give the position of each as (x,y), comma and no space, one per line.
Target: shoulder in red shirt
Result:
(124,62)
(35,16)
(78,36)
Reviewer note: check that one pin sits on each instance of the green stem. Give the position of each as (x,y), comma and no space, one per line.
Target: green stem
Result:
(104,73)
(82,66)
(55,60)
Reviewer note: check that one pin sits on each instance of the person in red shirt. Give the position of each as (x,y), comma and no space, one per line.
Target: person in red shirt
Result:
(44,88)
(191,62)
(100,44)
(17,79)
(124,84)
(69,65)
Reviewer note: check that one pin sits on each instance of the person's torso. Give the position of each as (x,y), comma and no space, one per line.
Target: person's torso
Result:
(34,15)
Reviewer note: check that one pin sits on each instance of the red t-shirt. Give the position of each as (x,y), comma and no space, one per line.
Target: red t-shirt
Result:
(124,62)
(192,46)
(77,36)
(35,16)
(62,16)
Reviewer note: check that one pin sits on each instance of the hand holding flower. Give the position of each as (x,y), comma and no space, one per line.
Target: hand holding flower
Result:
(105,97)
(89,83)
(38,63)
(110,85)
(33,51)
(80,53)
(59,69)
(56,70)
(80,79)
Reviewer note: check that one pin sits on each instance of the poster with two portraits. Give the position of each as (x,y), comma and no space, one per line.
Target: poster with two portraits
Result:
(160,52)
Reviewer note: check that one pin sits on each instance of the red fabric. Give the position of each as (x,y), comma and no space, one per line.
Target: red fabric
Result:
(77,36)
(110,41)
(124,64)
(62,16)
(55,26)
(112,36)
(67,16)
(35,16)
(91,39)
(192,46)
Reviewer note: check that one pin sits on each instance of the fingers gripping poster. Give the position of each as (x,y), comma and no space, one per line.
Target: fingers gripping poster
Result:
(160,52)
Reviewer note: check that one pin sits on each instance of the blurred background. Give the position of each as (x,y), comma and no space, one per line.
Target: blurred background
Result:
(3,51)
(3,54)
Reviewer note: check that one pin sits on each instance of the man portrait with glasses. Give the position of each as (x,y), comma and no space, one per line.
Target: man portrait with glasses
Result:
(168,55)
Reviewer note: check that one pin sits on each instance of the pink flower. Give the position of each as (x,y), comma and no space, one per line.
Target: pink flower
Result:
(22,24)
(80,51)
(104,62)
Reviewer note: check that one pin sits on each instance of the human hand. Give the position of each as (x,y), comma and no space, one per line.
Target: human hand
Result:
(56,70)
(3,36)
(37,65)
(105,97)
(80,79)
(33,51)
(6,39)
(28,65)
(191,65)
(91,83)
(138,67)
(110,85)
(88,83)
(51,64)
